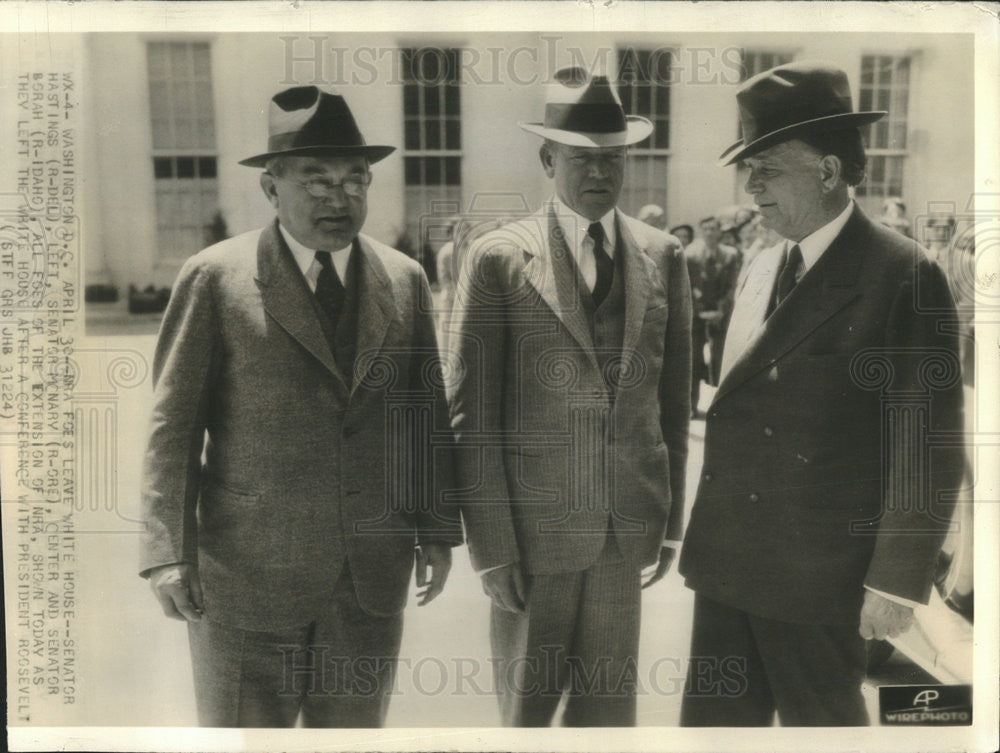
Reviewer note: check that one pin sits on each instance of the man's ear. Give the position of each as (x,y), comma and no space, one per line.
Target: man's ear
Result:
(268,187)
(831,171)
(547,155)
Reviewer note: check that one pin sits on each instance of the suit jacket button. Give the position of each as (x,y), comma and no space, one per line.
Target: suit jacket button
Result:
(755,497)
(349,431)
(768,431)
(707,477)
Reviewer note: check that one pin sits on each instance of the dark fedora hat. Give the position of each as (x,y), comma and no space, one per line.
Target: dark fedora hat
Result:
(306,120)
(783,103)
(585,110)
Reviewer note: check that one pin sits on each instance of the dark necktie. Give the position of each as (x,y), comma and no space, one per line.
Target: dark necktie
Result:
(330,292)
(605,265)
(787,279)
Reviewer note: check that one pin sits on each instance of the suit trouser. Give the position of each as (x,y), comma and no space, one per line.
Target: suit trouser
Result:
(743,668)
(580,634)
(338,670)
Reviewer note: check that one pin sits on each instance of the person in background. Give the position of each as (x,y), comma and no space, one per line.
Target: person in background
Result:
(713,268)
(730,236)
(894,216)
(653,216)
(683,233)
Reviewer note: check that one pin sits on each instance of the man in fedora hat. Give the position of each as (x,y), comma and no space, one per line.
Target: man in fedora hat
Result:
(572,334)
(830,450)
(299,443)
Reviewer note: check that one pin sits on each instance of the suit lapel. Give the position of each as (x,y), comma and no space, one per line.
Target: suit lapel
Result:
(639,270)
(287,298)
(827,288)
(549,272)
(376,308)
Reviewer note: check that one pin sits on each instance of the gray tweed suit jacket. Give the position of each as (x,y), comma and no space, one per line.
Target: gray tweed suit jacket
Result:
(263,467)
(547,459)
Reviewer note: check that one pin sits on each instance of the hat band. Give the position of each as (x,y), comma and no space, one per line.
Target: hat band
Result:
(755,123)
(585,118)
(281,142)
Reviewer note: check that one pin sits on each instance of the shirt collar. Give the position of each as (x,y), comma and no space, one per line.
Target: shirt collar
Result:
(815,244)
(574,227)
(305,257)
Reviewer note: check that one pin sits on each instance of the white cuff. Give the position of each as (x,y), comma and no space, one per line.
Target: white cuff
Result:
(897,599)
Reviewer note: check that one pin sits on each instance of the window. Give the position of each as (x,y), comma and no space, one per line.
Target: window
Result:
(753,62)
(184,153)
(432,156)
(885,85)
(644,86)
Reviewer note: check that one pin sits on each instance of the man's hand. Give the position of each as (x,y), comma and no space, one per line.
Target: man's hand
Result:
(662,567)
(438,556)
(883,618)
(178,589)
(505,586)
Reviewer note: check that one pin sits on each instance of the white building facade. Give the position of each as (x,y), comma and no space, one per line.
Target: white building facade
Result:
(171,115)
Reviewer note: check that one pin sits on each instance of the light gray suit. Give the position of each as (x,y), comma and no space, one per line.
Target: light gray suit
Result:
(572,451)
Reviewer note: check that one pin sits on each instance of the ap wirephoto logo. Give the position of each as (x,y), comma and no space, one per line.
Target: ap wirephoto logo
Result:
(925,704)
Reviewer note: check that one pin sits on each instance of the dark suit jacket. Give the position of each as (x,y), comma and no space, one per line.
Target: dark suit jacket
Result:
(543,460)
(713,284)
(300,474)
(817,479)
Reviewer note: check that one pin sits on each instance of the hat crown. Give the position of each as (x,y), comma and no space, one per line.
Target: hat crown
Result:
(791,94)
(583,103)
(791,100)
(306,118)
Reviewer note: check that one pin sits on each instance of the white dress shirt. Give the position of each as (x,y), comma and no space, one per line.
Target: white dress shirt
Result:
(581,245)
(816,243)
(305,258)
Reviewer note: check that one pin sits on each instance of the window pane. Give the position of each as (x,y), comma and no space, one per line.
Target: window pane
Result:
(451,100)
(412,170)
(432,134)
(867,69)
(903,72)
(163,167)
(865,100)
(410,100)
(411,130)
(881,135)
(453,171)
(660,138)
(206,167)
(878,169)
(185,167)
(432,167)
(432,100)
(898,138)
(453,134)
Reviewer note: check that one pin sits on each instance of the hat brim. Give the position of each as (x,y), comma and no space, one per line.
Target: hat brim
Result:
(372,153)
(636,129)
(739,150)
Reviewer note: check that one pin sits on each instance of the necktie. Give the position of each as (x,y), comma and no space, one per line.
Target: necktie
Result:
(330,292)
(787,279)
(605,265)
